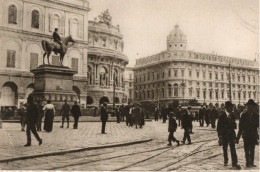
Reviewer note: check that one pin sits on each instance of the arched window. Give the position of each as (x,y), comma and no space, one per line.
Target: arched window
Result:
(35,19)
(12,14)
(175,89)
(56,21)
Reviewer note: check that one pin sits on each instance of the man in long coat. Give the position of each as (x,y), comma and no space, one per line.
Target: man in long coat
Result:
(104,117)
(226,132)
(75,110)
(32,115)
(186,125)
(248,125)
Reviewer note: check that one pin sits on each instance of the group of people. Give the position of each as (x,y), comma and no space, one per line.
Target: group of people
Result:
(31,114)
(248,127)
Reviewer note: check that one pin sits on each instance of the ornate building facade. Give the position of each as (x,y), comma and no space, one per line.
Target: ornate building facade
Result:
(23,25)
(179,74)
(106,62)
(129,84)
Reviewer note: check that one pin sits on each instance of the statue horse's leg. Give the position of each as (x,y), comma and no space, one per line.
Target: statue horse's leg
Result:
(43,58)
(48,56)
(61,59)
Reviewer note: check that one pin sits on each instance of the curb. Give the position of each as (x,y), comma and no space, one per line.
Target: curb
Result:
(18,121)
(74,150)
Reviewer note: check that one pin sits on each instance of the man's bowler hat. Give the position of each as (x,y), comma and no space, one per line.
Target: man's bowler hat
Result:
(251,102)
(228,103)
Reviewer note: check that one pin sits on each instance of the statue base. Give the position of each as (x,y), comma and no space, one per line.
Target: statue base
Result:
(54,83)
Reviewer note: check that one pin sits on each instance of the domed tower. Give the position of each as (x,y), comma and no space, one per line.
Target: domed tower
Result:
(176,40)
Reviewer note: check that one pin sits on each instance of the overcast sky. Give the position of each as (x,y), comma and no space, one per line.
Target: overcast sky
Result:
(227,27)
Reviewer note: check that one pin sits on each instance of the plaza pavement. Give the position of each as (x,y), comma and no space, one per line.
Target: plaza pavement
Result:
(87,136)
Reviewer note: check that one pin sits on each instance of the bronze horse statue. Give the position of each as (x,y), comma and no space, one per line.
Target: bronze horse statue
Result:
(49,46)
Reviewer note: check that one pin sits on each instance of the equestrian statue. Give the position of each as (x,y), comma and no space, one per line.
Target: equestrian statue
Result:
(60,45)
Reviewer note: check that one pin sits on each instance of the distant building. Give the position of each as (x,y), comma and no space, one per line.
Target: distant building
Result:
(106,62)
(23,25)
(179,74)
(129,84)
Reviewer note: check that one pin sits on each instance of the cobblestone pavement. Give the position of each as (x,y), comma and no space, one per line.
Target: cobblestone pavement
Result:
(203,154)
(60,139)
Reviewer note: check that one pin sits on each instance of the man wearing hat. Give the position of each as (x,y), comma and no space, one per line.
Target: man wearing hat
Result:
(248,125)
(171,129)
(226,132)
(65,112)
(104,117)
(32,115)
(186,125)
(202,112)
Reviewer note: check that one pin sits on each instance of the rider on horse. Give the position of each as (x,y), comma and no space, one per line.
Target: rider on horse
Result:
(56,38)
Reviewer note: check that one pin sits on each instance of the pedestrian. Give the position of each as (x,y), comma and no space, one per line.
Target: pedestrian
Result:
(75,110)
(131,116)
(126,112)
(196,115)
(117,111)
(104,117)
(49,112)
(171,129)
(226,132)
(213,114)
(179,115)
(207,115)
(40,108)
(32,114)
(186,125)
(122,113)
(137,115)
(164,114)
(157,113)
(201,115)
(65,112)
(22,113)
(248,125)
(191,118)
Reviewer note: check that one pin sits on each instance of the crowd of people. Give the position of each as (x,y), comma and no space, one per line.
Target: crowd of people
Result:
(31,115)
(226,115)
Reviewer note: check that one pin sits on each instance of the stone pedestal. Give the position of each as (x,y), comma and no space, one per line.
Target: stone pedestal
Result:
(54,83)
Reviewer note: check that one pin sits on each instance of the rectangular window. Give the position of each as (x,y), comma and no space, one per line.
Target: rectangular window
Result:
(253,79)
(244,79)
(148,76)
(130,93)
(210,75)
(55,60)
(34,61)
(158,76)
(144,77)
(216,76)
(190,73)
(198,93)
(222,76)
(210,84)
(238,78)
(169,72)
(222,94)
(130,76)
(204,74)
(216,85)
(190,92)
(163,75)
(130,84)
(182,72)
(10,59)
(198,74)
(175,73)
(233,77)
(75,64)
(249,95)
(152,76)
(249,78)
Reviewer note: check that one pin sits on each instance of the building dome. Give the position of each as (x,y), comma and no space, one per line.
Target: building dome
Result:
(176,40)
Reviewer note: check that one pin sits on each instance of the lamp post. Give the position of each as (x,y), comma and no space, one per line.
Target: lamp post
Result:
(230,93)
(114,88)
(204,95)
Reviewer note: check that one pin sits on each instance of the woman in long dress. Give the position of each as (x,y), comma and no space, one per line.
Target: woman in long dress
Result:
(49,112)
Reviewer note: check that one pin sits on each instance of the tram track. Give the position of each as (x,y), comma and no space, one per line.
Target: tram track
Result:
(83,162)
